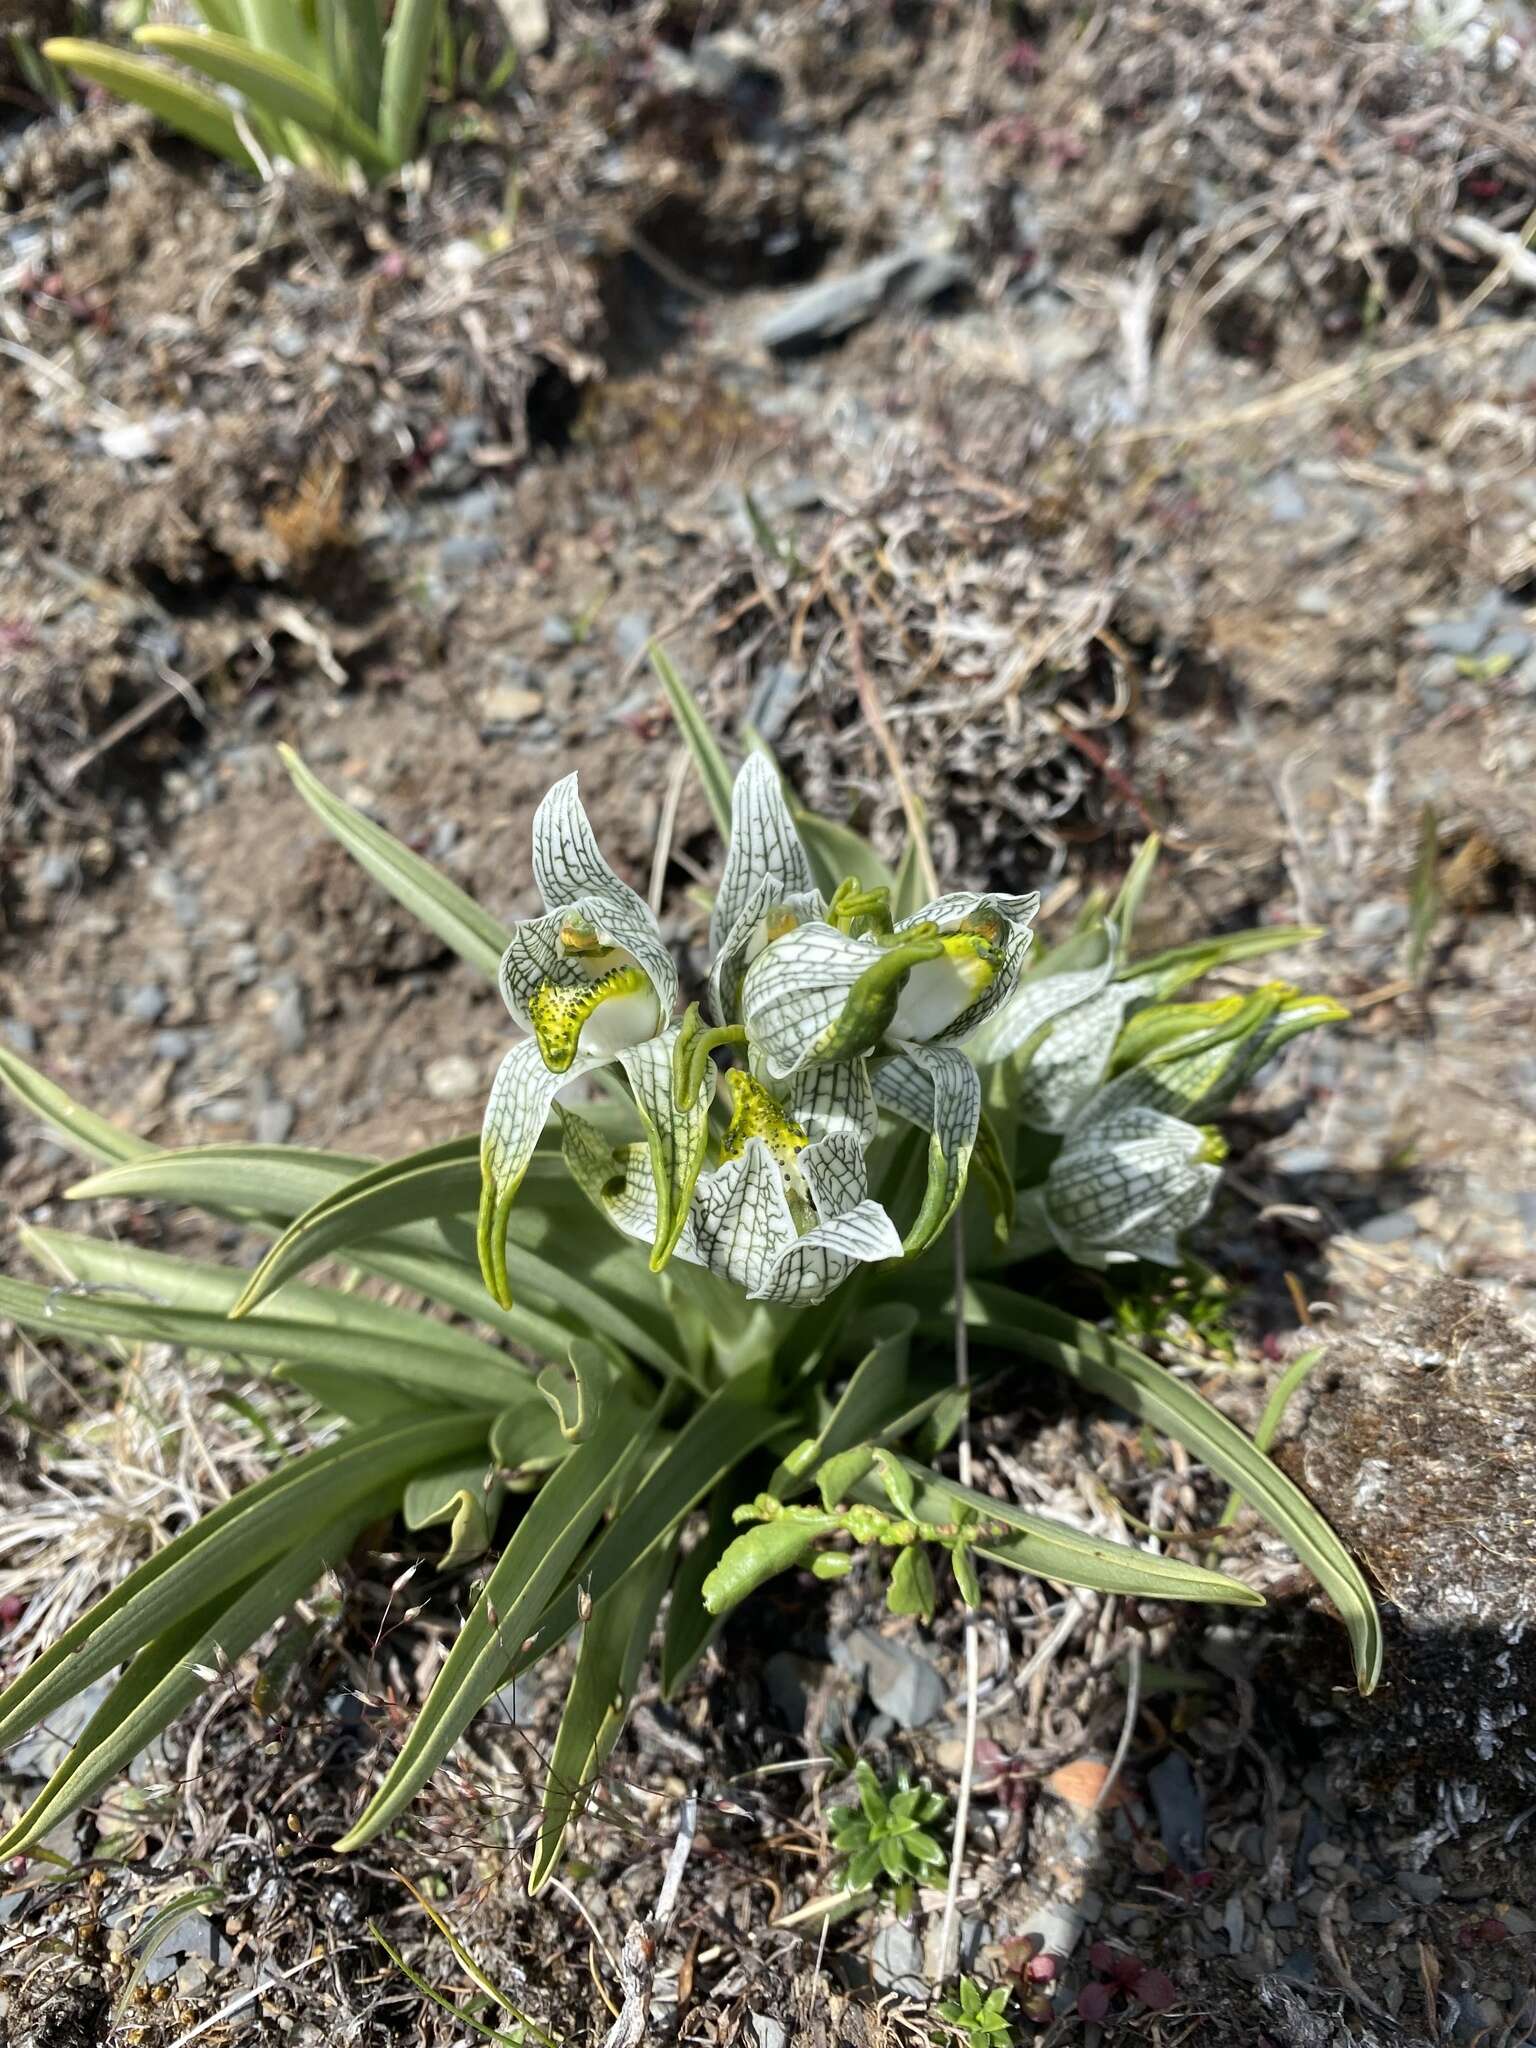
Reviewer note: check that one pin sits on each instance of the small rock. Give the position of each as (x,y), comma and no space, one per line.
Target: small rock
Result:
(509,704)
(1283,498)
(1384,920)
(527,24)
(768,2032)
(631,635)
(1455,636)
(1390,1228)
(226,1109)
(20,1036)
(1180,1810)
(463,553)
(1375,1909)
(897,1961)
(558,632)
(1282,1913)
(290,1026)
(147,1005)
(172,1045)
(1518,1921)
(1422,1886)
(273,1122)
(776,695)
(452,1078)
(823,311)
(899,1681)
(56,871)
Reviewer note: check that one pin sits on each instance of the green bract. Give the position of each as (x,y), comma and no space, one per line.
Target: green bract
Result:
(700,1297)
(325,86)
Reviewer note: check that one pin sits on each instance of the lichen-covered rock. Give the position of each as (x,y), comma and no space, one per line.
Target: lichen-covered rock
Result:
(1419,1443)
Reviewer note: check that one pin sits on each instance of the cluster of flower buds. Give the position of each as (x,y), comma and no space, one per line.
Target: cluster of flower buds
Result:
(831,1009)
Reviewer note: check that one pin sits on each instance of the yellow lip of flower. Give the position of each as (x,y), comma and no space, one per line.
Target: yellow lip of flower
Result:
(755,1114)
(559,1015)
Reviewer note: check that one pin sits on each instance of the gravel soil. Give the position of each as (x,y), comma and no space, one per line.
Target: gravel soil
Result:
(1133,412)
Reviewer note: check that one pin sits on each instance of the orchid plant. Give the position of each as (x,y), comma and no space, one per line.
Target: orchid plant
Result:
(710,1280)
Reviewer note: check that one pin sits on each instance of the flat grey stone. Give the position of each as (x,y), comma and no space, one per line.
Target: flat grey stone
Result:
(146,1005)
(897,1960)
(20,1036)
(273,1122)
(452,1078)
(1375,1909)
(172,1045)
(900,1682)
(1390,1228)
(821,312)
(1180,1810)
(768,2032)
(1422,1886)
(290,1026)
(1455,636)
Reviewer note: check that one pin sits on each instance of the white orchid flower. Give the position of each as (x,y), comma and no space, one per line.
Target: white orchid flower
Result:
(1123,1187)
(592,982)
(1063,1028)
(785,1213)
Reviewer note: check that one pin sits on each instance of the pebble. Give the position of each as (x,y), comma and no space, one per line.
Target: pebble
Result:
(1375,1909)
(631,633)
(768,2032)
(451,1078)
(900,1682)
(1390,1228)
(509,704)
(20,1036)
(290,1027)
(147,1005)
(1423,1886)
(463,553)
(172,1045)
(897,1960)
(56,871)
(226,1109)
(1383,920)
(1282,1913)
(273,1123)
(1180,1810)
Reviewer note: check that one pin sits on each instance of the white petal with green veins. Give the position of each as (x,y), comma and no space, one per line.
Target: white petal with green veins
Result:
(573,877)
(820,1261)
(1040,998)
(765,847)
(985,941)
(937,1088)
(1124,1186)
(676,1137)
(818,994)
(519,1104)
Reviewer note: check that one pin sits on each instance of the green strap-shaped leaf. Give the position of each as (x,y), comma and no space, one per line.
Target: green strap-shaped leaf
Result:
(206,1289)
(170,1682)
(1053,1550)
(689,1624)
(614,1641)
(275,85)
(241,1180)
(527,1575)
(354,54)
(713,769)
(79,1128)
(198,115)
(441,906)
(837,851)
(877,1392)
(465,1494)
(466,1375)
(1180,965)
(407,61)
(222,1549)
(442,1181)
(1100,1362)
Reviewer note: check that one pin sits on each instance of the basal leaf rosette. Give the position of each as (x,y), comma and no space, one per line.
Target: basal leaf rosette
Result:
(592,982)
